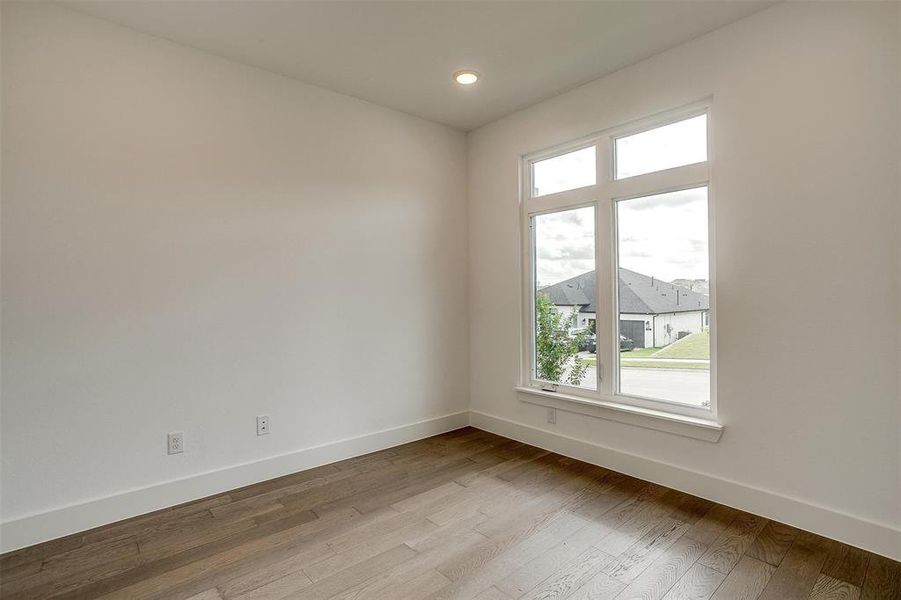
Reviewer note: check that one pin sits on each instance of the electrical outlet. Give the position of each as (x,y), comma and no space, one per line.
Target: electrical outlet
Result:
(263,425)
(552,415)
(176,442)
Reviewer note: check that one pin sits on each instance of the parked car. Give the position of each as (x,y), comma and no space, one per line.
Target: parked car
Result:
(589,341)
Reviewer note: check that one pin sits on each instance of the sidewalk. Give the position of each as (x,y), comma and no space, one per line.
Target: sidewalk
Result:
(624,360)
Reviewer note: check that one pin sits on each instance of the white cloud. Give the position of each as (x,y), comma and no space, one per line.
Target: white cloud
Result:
(564,245)
(664,236)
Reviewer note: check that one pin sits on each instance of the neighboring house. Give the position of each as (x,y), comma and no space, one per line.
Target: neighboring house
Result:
(653,313)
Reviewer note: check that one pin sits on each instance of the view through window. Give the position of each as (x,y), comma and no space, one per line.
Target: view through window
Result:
(565,340)
(680,143)
(663,293)
(565,172)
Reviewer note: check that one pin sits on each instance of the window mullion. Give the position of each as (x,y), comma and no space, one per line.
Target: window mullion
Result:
(563,200)
(606,327)
(661,181)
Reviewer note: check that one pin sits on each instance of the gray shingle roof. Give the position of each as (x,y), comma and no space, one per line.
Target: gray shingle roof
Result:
(638,294)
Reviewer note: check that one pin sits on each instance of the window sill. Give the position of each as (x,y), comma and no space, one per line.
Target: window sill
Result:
(699,429)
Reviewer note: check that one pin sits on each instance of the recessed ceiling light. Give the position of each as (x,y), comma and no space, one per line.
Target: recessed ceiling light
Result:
(466,77)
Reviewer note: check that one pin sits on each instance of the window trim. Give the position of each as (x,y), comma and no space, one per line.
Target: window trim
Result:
(649,418)
(604,196)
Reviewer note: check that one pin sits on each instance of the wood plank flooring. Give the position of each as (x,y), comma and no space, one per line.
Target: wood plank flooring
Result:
(464,515)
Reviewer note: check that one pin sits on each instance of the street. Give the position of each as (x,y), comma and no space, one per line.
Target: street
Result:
(677,385)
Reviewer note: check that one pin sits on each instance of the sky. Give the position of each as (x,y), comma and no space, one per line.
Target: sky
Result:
(664,236)
(673,145)
(564,245)
(565,172)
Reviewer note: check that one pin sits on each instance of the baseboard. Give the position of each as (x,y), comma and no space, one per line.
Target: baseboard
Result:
(876,537)
(33,529)
(40,527)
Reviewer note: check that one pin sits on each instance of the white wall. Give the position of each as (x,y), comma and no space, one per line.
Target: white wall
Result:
(567,313)
(684,321)
(805,151)
(173,224)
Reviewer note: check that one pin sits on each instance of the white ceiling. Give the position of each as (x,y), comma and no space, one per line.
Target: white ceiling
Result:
(402,54)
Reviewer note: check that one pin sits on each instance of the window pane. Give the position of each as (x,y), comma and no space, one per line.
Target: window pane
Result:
(664,301)
(564,172)
(565,298)
(673,145)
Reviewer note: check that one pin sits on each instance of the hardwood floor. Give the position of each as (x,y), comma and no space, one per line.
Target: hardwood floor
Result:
(466,514)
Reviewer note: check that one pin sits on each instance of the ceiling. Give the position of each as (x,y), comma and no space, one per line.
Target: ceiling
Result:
(403,54)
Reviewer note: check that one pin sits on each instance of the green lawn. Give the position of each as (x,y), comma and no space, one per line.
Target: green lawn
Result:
(696,345)
(639,353)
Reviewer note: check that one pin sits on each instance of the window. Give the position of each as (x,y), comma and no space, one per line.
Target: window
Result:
(673,145)
(563,289)
(564,172)
(662,296)
(618,285)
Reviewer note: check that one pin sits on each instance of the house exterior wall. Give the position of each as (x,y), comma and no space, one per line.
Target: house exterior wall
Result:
(692,322)
(657,335)
(568,312)
(584,319)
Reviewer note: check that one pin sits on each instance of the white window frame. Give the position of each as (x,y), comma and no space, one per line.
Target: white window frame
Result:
(603,196)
